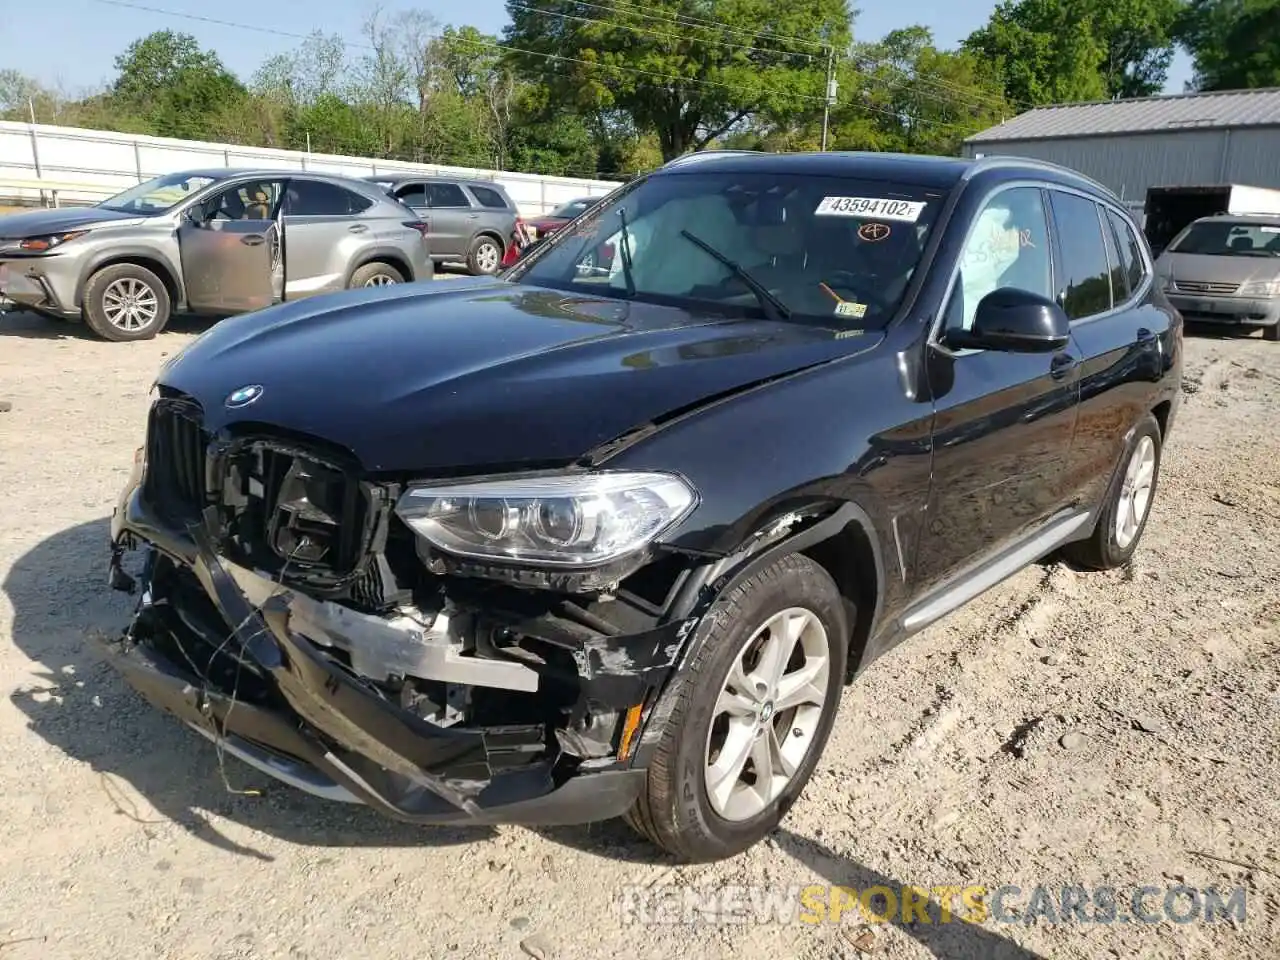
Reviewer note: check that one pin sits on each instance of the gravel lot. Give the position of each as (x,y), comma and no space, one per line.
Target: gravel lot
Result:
(120,836)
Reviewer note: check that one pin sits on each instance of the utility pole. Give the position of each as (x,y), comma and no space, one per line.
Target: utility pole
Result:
(830,97)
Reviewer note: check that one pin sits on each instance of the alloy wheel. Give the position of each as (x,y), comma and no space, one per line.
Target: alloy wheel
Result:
(767,714)
(380,280)
(487,257)
(129,304)
(1135,492)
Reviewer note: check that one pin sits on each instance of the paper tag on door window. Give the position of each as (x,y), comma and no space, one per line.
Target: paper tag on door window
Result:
(879,208)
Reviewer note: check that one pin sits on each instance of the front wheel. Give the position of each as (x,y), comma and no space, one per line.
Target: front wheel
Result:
(753,711)
(125,302)
(1271,333)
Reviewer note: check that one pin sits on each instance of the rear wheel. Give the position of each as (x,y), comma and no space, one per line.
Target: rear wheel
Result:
(1124,513)
(375,275)
(752,714)
(1271,333)
(485,256)
(125,302)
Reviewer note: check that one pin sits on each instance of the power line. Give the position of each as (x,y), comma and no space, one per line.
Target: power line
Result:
(670,78)
(648,33)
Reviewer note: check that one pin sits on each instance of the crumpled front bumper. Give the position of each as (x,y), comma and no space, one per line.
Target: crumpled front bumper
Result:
(320,727)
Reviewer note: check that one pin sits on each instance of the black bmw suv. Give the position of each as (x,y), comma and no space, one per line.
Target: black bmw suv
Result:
(610,533)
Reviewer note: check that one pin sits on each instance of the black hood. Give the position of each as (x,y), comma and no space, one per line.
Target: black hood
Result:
(479,374)
(39,223)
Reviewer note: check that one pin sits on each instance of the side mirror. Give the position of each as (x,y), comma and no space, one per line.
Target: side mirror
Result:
(1015,321)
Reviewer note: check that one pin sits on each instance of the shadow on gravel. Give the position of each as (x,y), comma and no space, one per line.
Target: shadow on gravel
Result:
(32,326)
(79,705)
(956,940)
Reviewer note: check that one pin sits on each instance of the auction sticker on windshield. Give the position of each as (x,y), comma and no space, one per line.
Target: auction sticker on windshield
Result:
(881,208)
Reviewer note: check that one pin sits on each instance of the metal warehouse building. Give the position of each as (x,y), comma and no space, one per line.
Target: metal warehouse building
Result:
(1130,145)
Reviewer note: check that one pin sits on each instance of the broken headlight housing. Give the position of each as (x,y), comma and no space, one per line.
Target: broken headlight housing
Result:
(565,521)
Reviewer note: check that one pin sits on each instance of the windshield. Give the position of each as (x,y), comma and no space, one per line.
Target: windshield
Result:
(830,251)
(158,195)
(571,209)
(1228,238)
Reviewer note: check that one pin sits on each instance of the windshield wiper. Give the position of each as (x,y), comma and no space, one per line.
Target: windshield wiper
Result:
(773,308)
(626,253)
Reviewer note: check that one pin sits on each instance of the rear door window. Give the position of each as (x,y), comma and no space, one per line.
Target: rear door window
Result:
(1083,274)
(413,195)
(314,198)
(446,195)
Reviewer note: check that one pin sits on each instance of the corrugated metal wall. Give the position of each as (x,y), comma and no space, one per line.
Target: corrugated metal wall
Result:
(1131,163)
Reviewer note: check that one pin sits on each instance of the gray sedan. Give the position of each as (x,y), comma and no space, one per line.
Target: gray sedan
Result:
(214,242)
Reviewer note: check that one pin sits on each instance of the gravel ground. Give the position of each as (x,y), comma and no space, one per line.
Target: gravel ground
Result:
(1110,729)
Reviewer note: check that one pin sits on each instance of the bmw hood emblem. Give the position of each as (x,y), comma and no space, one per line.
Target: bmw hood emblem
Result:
(243,396)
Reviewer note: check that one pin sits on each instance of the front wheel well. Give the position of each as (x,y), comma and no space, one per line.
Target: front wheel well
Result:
(1161,412)
(848,556)
(158,267)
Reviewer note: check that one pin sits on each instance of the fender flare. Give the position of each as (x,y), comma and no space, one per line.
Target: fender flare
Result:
(708,583)
(127,252)
(387,254)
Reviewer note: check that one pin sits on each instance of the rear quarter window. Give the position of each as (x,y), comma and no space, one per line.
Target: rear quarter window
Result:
(488,197)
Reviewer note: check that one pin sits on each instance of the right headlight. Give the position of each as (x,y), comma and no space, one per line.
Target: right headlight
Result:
(561,521)
(1260,288)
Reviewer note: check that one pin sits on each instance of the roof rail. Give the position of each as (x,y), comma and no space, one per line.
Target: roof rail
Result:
(698,154)
(1012,160)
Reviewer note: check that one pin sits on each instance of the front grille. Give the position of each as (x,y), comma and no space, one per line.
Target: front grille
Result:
(292,512)
(1204,286)
(175,481)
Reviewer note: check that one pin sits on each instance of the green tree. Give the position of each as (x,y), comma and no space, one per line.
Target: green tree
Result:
(689,71)
(1234,44)
(1054,51)
(172,86)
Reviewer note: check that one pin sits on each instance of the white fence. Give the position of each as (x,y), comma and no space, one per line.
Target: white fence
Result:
(85,166)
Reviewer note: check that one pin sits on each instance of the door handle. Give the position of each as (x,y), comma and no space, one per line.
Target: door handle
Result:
(473,216)
(358,228)
(252,240)
(1061,365)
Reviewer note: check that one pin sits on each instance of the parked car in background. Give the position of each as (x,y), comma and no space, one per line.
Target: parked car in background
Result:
(1225,269)
(214,242)
(615,541)
(551,222)
(468,221)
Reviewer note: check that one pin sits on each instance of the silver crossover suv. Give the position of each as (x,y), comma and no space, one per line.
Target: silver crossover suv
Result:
(1226,269)
(214,242)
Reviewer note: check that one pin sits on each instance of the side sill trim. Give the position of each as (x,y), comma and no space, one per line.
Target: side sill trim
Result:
(991,572)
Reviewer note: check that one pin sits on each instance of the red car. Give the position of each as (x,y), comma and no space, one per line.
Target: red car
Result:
(528,231)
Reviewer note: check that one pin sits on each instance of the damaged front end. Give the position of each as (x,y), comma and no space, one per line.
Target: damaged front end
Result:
(294,611)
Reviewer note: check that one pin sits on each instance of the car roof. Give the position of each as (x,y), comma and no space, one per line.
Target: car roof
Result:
(925,170)
(1266,219)
(938,172)
(231,173)
(433,178)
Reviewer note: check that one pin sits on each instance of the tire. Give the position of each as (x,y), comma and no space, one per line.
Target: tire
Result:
(675,809)
(125,302)
(484,257)
(1106,549)
(375,274)
(1271,333)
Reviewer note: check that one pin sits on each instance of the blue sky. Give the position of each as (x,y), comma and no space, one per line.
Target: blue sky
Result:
(90,33)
